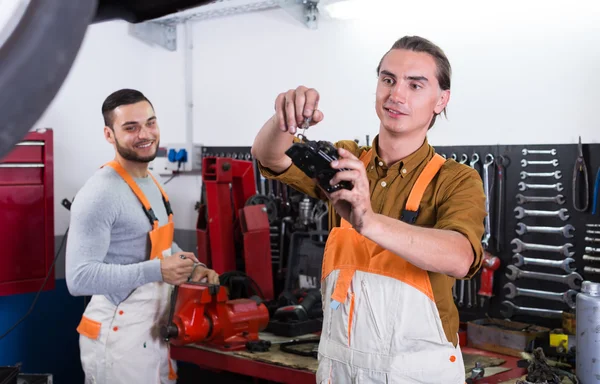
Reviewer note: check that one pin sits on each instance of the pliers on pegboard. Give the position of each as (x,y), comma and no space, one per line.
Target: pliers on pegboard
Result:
(580,167)
(596,188)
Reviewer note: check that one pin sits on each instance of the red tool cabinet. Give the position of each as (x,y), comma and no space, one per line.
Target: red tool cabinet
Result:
(27,215)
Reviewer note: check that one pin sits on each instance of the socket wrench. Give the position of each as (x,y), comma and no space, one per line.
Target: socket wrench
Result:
(561,213)
(524,162)
(573,279)
(510,310)
(524,186)
(567,265)
(558,199)
(526,152)
(521,246)
(568,297)
(566,231)
(556,174)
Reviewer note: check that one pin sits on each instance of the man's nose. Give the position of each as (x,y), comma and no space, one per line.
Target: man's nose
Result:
(145,133)
(399,93)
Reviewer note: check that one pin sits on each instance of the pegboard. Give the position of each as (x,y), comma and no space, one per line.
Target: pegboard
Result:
(566,156)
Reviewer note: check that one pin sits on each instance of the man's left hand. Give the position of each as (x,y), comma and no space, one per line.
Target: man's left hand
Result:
(354,205)
(201,272)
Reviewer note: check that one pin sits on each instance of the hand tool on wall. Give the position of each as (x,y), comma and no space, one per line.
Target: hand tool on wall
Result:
(592,240)
(592,250)
(489,161)
(587,270)
(556,174)
(464,158)
(511,310)
(595,196)
(580,168)
(501,165)
(521,246)
(593,259)
(573,279)
(524,186)
(526,152)
(470,290)
(489,265)
(566,230)
(567,264)
(558,199)
(525,163)
(561,213)
(593,225)
(568,297)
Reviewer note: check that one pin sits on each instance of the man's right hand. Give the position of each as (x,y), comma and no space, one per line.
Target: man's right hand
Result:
(175,269)
(294,106)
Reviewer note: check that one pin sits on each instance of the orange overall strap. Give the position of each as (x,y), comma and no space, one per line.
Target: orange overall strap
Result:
(345,277)
(411,210)
(164,196)
(138,192)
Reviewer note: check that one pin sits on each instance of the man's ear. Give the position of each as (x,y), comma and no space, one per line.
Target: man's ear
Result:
(109,135)
(442,102)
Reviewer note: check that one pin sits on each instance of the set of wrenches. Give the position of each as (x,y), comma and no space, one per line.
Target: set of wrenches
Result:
(543,182)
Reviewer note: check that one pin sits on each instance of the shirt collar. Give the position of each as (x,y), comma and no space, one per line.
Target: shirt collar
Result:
(406,165)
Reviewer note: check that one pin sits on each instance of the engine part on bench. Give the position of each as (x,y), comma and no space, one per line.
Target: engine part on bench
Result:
(521,246)
(525,163)
(526,152)
(301,311)
(568,297)
(476,373)
(305,208)
(314,159)
(313,352)
(556,174)
(202,313)
(558,199)
(561,213)
(592,240)
(511,310)
(566,264)
(592,250)
(566,230)
(573,279)
(524,186)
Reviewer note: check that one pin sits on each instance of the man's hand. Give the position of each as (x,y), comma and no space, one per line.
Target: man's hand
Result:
(295,105)
(201,273)
(354,205)
(177,268)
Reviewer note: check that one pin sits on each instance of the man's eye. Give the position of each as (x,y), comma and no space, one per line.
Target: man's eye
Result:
(387,80)
(416,86)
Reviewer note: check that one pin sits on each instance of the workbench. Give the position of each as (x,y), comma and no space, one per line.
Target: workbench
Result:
(282,367)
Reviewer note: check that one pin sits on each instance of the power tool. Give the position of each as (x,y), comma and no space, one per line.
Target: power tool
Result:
(202,313)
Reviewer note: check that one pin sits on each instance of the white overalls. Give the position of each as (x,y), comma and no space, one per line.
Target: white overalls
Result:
(121,344)
(380,321)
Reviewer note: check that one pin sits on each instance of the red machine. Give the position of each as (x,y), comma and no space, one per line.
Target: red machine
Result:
(27,215)
(489,265)
(203,314)
(225,225)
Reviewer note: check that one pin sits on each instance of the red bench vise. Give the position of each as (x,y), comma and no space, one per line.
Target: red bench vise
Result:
(202,314)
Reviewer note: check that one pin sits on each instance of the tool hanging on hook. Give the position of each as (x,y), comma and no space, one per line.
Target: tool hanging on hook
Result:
(580,167)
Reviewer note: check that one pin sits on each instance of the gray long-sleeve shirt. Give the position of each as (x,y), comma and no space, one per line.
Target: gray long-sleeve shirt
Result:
(108,246)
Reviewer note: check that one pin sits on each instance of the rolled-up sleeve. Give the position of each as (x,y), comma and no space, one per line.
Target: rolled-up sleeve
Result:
(463,210)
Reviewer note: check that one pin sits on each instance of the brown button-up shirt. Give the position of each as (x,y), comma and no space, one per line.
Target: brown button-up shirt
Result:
(454,200)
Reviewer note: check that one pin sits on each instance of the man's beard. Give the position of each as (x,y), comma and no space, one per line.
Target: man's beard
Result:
(129,154)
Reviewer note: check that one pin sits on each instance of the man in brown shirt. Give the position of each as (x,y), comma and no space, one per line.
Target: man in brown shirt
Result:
(411,264)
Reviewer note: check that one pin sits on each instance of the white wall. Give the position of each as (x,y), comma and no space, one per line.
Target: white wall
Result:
(110,59)
(523,72)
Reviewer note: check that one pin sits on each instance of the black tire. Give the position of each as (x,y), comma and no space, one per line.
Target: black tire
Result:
(36,59)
